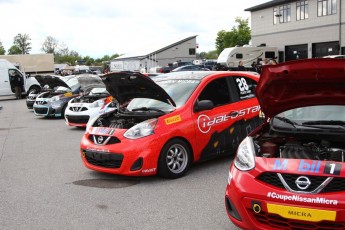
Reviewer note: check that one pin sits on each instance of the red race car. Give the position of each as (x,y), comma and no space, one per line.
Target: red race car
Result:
(289,173)
(165,123)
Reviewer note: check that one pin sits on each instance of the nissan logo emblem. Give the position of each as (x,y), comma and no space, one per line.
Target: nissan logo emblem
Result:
(100,140)
(303,182)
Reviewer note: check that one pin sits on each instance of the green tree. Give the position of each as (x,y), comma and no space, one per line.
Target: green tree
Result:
(211,54)
(2,49)
(238,36)
(50,45)
(14,50)
(22,41)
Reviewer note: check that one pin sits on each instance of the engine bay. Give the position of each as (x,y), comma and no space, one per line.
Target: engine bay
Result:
(124,119)
(312,147)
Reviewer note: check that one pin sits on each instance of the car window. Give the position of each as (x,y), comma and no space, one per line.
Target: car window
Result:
(217,91)
(245,87)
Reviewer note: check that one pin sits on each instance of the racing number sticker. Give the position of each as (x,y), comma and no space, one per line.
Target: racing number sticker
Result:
(332,168)
(242,84)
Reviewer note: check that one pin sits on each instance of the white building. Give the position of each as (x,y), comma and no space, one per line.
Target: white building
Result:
(184,50)
(300,29)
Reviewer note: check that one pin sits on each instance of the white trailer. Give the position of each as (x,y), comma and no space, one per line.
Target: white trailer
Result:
(32,63)
(230,57)
(129,65)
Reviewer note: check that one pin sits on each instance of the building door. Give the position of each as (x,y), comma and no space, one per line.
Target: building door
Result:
(325,48)
(295,52)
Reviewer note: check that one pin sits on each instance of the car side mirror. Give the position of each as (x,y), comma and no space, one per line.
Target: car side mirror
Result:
(203,105)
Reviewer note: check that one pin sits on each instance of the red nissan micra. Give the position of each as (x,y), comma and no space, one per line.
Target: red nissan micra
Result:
(165,123)
(289,173)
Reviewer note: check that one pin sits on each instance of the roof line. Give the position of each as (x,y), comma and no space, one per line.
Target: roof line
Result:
(269,4)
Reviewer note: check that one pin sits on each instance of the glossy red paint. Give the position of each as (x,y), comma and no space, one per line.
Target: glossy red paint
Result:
(279,178)
(204,134)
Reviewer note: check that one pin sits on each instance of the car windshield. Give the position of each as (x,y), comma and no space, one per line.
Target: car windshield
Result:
(321,115)
(178,90)
(71,82)
(98,91)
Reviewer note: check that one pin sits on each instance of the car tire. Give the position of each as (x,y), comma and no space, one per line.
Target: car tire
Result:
(33,89)
(174,160)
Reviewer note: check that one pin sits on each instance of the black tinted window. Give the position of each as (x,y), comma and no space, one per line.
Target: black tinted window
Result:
(270,54)
(239,56)
(217,91)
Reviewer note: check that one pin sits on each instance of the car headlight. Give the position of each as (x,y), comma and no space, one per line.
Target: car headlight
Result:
(55,98)
(142,129)
(245,157)
(97,104)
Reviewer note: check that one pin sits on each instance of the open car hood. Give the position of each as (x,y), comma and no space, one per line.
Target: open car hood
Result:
(125,86)
(51,81)
(89,81)
(301,83)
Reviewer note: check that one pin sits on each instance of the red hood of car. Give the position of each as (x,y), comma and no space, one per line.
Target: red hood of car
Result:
(301,83)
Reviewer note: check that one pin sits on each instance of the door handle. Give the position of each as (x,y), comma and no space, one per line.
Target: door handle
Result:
(6,81)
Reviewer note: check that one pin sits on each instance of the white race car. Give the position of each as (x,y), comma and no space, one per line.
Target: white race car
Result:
(94,101)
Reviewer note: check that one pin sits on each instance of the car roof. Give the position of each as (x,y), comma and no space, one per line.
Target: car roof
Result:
(191,75)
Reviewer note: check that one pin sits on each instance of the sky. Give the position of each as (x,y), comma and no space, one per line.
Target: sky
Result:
(130,27)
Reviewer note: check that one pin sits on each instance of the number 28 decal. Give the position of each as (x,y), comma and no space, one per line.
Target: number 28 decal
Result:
(242,84)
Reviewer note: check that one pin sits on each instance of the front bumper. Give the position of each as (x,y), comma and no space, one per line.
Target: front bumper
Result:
(250,202)
(30,104)
(81,116)
(121,156)
(48,109)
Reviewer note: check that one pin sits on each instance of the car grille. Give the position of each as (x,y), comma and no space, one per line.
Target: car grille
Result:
(31,97)
(78,119)
(41,102)
(336,185)
(77,109)
(103,140)
(278,222)
(103,159)
(41,110)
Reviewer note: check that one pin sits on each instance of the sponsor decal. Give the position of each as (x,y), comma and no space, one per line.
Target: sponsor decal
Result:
(149,170)
(205,123)
(302,199)
(298,213)
(98,150)
(69,94)
(312,166)
(172,120)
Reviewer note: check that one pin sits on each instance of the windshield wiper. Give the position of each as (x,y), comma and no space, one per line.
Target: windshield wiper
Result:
(330,122)
(147,109)
(284,119)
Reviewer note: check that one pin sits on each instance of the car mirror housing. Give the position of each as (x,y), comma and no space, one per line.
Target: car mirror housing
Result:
(203,105)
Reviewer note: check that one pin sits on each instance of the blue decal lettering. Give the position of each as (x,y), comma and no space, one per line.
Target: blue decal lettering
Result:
(313,167)
(278,165)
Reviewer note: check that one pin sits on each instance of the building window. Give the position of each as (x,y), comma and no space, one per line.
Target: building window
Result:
(275,16)
(302,10)
(284,13)
(326,7)
(192,51)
